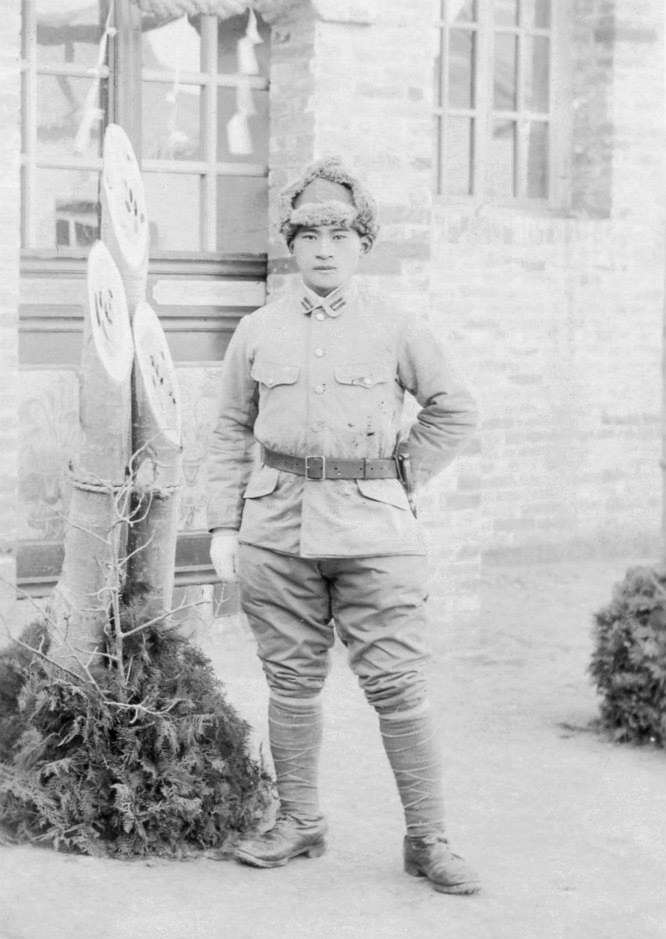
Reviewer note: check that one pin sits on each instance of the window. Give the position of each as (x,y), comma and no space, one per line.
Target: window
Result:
(500,118)
(192,95)
(191,92)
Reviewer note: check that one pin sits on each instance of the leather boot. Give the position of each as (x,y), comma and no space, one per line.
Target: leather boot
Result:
(286,840)
(295,731)
(411,747)
(431,857)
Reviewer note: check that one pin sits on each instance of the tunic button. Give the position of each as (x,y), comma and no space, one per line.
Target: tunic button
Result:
(319,353)
(319,389)
(367,381)
(320,316)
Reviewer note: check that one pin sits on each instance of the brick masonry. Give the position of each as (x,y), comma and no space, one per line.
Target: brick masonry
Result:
(560,316)
(554,317)
(10,26)
(366,93)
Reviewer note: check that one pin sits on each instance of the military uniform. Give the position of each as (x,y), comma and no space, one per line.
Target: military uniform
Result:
(302,463)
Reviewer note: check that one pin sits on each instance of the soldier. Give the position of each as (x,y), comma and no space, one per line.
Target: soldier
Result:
(320,530)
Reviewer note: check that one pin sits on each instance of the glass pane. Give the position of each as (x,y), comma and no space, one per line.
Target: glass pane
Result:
(535,14)
(241,214)
(65,208)
(250,57)
(460,11)
(506,12)
(68,121)
(502,161)
(170,45)
(537,161)
(174,207)
(505,72)
(458,156)
(461,68)
(170,121)
(242,125)
(537,54)
(69,32)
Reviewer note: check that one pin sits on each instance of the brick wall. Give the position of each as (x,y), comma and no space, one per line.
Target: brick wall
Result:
(9,274)
(356,79)
(559,317)
(555,318)
(351,79)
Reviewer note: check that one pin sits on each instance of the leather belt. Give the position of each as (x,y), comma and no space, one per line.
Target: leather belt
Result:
(330,467)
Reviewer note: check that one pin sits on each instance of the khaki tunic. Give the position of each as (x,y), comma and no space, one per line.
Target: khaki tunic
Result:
(312,376)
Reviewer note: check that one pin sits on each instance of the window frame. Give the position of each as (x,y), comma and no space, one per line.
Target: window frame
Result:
(483,112)
(125,77)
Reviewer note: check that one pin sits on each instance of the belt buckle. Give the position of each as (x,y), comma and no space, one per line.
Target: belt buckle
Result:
(318,471)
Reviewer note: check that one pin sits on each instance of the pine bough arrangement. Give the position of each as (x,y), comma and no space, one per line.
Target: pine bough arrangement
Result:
(628,663)
(153,764)
(115,735)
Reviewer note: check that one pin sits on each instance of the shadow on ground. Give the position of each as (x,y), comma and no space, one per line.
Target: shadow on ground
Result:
(565,827)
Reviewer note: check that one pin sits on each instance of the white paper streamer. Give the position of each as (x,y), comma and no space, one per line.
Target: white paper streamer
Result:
(238,135)
(252,31)
(239,138)
(247,57)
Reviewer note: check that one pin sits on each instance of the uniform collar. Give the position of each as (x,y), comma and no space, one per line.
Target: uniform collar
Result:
(332,304)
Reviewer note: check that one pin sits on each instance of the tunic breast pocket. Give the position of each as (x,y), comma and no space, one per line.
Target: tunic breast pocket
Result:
(363,374)
(273,374)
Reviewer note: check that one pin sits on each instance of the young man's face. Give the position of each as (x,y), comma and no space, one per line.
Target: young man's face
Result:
(328,255)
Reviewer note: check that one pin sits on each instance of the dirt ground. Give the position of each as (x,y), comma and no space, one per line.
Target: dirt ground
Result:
(567,830)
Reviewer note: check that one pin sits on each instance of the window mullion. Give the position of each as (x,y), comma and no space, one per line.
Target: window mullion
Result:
(559,124)
(522,126)
(209,93)
(483,79)
(443,81)
(29,121)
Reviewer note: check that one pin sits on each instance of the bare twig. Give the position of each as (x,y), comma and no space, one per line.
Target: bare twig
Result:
(141,708)
(653,580)
(162,616)
(46,658)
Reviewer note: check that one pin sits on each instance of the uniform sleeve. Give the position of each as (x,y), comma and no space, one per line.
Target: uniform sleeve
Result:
(448,413)
(230,455)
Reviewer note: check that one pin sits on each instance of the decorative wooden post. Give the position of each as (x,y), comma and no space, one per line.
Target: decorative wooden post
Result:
(156,441)
(156,432)
(124,214)
(90,574)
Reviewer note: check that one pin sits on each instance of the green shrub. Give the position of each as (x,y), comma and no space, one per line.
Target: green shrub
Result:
(628,662)
(153,762)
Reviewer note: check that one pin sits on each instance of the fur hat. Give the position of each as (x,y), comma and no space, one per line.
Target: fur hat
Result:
(327,194)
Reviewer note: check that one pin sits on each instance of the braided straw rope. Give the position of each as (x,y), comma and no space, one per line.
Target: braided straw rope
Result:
(223,9)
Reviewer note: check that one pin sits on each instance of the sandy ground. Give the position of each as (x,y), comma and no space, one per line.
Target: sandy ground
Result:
(567,830)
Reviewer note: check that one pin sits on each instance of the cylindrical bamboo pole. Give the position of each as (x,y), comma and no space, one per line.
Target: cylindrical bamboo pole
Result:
(79,606)
(157,458)
(156,434)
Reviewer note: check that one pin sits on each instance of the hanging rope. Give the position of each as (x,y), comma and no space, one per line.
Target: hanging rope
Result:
(223,9)
(270,10)
(173,8)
